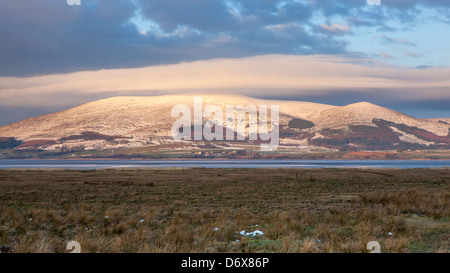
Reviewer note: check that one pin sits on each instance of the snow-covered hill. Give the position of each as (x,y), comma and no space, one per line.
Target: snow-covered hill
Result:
(145,121)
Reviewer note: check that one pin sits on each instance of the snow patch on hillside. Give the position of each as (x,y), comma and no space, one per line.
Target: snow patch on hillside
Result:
(410,138)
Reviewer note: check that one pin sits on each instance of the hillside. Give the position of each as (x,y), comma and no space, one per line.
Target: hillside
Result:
(134,122)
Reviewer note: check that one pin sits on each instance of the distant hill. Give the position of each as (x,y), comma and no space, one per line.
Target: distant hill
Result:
(139,122)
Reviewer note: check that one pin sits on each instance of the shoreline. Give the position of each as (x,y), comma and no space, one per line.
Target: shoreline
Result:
(76,164)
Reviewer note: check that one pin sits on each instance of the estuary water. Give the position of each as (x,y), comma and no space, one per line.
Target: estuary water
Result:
(103,164)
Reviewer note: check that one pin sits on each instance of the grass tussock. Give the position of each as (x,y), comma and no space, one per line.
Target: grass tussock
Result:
(193,210)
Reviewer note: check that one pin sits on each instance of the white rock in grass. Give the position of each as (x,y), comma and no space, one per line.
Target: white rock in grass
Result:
(256,233)
(252,234)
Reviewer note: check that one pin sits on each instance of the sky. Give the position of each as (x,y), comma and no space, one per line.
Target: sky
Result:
(54,56)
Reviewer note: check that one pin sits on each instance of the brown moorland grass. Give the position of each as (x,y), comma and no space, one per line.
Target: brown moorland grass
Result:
(204,210)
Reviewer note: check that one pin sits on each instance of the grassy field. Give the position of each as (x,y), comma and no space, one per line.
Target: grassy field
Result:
(205,210)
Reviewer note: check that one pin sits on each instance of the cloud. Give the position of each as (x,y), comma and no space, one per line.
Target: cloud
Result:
(303,75)
(408,4)
(47,36)
(412,54)
(389,40)
(335,29)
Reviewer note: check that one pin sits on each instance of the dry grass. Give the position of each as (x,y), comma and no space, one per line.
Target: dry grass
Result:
(203,210)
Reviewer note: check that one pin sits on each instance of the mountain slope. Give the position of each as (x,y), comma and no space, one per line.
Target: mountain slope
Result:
(146,121)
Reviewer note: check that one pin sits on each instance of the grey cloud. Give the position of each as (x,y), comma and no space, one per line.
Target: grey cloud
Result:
(333,29)
(412,54)
(389,40)
(48,36)
(41,37)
